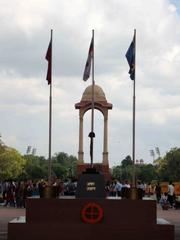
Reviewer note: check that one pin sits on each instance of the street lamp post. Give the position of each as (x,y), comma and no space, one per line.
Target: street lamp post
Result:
(152,154)
(157,151)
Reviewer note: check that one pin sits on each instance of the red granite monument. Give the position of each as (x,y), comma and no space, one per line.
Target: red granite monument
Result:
(79,219)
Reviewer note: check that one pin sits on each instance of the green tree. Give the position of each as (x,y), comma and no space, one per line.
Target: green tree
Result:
(127,172)
(2,146)
(168,168)
(59,171)
(160,165)
(11,163)
(35,167)
(64,165)
(126,162)
(146,172)
(117,172)
(124,171)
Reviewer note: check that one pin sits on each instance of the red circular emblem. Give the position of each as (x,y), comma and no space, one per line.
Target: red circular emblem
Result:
(92,213)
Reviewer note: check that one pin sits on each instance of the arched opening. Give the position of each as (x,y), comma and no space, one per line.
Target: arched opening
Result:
(100,127)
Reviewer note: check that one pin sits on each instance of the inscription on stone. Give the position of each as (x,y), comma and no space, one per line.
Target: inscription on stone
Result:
(90,186)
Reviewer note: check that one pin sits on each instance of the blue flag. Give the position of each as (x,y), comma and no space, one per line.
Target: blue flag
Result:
(130,55)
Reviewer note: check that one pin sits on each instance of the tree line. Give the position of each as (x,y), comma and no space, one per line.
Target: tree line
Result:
(15,166)
(165,168)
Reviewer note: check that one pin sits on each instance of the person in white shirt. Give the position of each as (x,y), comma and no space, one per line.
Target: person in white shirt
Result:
(164,201)
(126,184)
(118,188)
(171,194)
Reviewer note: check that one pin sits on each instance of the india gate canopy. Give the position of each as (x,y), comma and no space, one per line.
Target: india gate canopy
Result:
(101,104)
(100,101)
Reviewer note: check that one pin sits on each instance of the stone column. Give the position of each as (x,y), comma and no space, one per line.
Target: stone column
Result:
(80,152)
(105,145)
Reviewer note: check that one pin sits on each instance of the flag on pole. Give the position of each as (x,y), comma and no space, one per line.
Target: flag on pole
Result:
(49,59)
(88,62)
(130,55)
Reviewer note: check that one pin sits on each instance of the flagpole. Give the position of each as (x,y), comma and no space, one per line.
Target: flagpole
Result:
(50,118)
(134,116)
(92,113)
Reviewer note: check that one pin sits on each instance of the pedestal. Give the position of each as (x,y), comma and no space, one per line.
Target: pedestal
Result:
(87,219)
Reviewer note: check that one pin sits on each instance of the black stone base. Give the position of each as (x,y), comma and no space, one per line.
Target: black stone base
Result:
(91,184)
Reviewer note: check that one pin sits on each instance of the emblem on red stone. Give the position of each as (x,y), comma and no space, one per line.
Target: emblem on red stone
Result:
(92,213)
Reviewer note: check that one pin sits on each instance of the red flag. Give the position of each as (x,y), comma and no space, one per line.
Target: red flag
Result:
(49,59)
(88,62)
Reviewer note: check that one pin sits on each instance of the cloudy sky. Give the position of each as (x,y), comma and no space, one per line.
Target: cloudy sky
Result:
(24,92)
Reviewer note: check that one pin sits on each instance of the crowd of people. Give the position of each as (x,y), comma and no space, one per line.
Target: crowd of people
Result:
(166,199)
(15,193)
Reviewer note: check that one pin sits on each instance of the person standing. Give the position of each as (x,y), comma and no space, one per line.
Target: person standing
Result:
(158,192)
(141,189)
(117,188)
(170,194)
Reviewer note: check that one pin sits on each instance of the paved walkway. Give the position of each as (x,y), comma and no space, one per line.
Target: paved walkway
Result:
(7,214)
(172,216)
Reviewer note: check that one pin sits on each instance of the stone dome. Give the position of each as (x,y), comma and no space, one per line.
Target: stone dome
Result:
(98,94)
